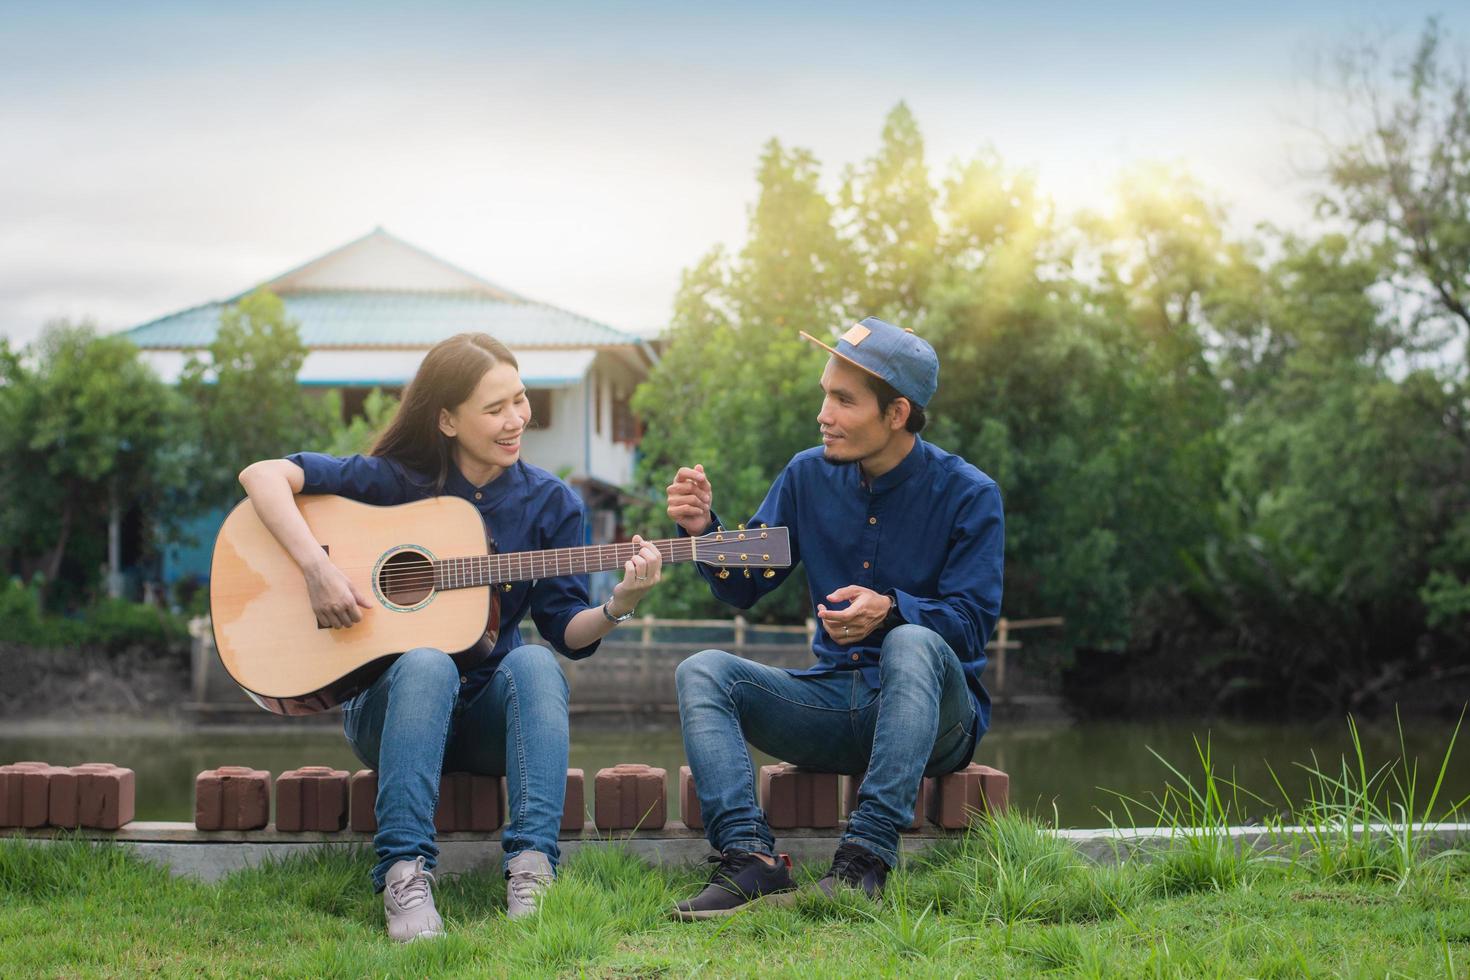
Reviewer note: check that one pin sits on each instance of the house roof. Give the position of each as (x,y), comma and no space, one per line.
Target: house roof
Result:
(393,368)
(382,292)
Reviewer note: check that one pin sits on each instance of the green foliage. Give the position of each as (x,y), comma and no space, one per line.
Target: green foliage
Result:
(1245,461)
(358,434)
(111,624)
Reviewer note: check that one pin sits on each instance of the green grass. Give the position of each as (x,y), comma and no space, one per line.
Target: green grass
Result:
(1007,900)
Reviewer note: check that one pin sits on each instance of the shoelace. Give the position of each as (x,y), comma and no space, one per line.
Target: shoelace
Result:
(412,890)
(523,884)
(852,864)
(729,865)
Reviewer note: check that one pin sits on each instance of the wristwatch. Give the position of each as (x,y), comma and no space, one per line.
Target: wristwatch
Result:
(894,617)
(607,614)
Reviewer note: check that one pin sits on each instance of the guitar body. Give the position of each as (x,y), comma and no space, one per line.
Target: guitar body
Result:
(266,632)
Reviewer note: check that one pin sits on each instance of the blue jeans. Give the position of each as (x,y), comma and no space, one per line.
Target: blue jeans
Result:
(919,722)
(412,724)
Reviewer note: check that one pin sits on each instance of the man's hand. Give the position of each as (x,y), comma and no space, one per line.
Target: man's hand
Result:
(334,598)
(690,497)
(865,613)
(640,573)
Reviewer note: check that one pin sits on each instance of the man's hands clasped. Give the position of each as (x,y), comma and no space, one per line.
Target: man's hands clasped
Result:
(690,499)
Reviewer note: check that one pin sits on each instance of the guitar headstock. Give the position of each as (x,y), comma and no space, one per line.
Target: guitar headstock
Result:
(745,547)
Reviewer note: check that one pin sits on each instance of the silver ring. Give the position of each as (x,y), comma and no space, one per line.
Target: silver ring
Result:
(643,578)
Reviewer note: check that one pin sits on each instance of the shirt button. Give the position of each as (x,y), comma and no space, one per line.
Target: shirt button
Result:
(478,495)
(866,565)
(463,679)
(855,657)
(872,520)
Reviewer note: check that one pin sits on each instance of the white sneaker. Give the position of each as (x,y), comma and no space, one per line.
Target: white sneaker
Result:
(529,874)
(408,902)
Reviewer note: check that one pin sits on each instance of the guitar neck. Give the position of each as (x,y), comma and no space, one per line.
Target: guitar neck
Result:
(524,566)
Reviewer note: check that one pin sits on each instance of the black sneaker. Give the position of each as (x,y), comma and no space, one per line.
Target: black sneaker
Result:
(856,867)
(740,879)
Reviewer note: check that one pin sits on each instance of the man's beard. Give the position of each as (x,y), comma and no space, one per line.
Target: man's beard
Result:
(831,460)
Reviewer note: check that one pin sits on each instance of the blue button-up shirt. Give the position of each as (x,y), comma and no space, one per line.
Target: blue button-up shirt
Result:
(930,532)
(525,508)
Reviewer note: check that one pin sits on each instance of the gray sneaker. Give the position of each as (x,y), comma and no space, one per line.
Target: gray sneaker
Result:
(528,875)
(408,902)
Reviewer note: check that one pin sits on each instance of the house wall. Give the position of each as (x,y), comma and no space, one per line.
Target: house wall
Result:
(611,460)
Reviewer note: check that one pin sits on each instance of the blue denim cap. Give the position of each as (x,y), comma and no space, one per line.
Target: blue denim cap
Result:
(898,356)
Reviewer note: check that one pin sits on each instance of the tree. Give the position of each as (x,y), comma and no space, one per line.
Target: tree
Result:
(246,400)
(737,387)
(87,436)
(1401,176)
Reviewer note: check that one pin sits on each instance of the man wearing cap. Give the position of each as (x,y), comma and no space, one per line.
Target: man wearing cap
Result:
(903,545)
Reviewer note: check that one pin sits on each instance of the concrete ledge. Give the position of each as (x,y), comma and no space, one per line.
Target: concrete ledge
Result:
(210,855)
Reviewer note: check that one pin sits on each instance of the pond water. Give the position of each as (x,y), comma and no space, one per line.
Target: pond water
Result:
(1073,771)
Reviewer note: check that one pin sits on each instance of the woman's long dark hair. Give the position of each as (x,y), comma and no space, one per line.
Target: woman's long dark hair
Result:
(448,375)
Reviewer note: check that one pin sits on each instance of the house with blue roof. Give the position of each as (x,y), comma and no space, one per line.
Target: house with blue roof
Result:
(369,311)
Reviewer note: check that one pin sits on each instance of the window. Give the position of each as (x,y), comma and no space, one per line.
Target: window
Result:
(625,426)
(540,400)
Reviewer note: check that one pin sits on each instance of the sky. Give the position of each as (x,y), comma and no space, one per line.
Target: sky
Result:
(154,156)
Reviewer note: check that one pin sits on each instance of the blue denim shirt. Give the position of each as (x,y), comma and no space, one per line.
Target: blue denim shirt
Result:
(930,532)
(524,509)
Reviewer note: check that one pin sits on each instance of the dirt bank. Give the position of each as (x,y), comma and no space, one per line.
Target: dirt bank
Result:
(42,683)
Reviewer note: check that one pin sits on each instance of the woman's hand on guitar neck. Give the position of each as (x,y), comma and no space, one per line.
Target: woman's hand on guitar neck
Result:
(334,598)
(640,573)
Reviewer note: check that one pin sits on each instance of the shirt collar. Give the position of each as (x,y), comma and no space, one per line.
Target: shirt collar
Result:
(491,493)
(911,465)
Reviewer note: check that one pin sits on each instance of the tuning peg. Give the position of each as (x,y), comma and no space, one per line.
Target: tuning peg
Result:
(739,527)
(724,573)
(769,573)
(747,572)
(763,524)
(506,587)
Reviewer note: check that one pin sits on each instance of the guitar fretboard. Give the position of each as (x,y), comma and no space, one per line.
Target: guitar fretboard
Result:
(523,566)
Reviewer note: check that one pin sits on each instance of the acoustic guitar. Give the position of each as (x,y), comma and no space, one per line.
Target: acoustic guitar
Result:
(431,580)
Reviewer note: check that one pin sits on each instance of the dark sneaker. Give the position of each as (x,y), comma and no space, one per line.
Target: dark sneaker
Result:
(740,879)
(854,866)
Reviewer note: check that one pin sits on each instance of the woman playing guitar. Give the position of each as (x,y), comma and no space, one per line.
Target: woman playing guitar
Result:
(458,431)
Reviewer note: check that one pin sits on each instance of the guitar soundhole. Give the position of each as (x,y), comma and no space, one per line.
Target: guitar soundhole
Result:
(406,578)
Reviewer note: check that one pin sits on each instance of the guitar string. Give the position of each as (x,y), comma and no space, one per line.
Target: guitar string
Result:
(424,572)
(421,576)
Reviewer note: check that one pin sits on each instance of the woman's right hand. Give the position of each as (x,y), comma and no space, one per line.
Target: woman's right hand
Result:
(334,598)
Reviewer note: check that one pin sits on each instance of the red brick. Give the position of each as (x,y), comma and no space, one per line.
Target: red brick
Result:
(689,810)
(312,798)
(629,797)
(105,795)
(25,794)
(921,805)
(574,810)
(974,790)
(61,799)
(232,798)
(363,791)
(468,802)
(795,797)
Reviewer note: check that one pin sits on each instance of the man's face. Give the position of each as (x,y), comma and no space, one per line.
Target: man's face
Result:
(851,425)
